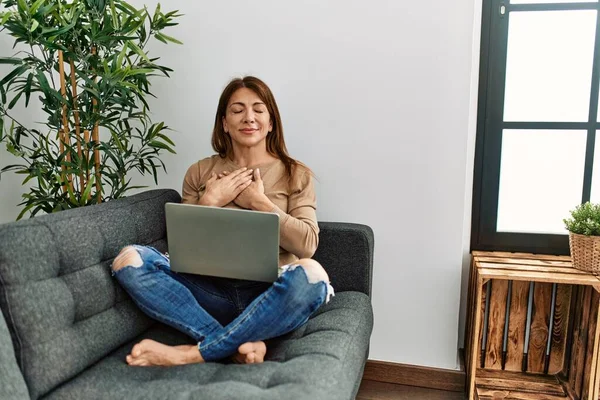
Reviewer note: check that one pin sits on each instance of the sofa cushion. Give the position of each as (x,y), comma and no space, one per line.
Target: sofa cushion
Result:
(66,312)
(12,384)
(322,359)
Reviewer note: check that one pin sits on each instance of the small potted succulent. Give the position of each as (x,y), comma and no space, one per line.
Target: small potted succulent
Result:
(584,237)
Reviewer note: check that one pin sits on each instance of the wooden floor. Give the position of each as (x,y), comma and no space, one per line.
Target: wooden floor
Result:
(371,390)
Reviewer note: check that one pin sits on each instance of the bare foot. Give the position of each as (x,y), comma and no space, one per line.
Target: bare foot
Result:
(149,352)
(251,353)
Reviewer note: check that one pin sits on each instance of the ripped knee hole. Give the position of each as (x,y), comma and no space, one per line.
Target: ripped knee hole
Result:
(129,256)
(314,271)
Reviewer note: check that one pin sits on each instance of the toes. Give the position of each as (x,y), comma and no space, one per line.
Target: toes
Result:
(259,357)
(246,348)
(140,347)
(136,351)
(141,362)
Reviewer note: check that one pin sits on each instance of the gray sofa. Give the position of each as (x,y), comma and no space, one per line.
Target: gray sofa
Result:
(68,325)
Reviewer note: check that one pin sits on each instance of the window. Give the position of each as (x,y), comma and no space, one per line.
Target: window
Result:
(536,153)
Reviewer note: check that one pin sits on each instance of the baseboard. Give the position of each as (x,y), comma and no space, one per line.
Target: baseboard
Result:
(413,375)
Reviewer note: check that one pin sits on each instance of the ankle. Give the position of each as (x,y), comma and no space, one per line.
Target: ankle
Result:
(192,355)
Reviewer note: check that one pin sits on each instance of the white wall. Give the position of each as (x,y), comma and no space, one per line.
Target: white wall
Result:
(376,97)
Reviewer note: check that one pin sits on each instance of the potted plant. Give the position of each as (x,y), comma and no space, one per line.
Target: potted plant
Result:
(584,237)
(86,61)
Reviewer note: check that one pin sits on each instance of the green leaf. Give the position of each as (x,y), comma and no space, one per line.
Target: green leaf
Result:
(22,213)
(139,71)
(5,17)
(34,25)
(113,13)
(137,50)
(169,38)
(14,100)
(41,77)
(10,60)
(161,38)
(35,6)
(87,190)
(117,140)
(13,74)
(22,6)
(28,88)
(13,167)
(166,139)
(3,93)
(71,194)
(161,145)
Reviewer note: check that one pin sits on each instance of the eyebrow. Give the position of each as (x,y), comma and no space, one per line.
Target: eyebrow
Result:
(239,103)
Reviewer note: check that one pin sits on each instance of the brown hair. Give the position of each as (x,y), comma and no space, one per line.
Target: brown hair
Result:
(221,141)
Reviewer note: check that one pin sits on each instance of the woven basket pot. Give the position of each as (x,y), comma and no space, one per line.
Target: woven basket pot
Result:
(585,252)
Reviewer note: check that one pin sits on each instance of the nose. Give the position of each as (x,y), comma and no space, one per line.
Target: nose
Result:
(249,116)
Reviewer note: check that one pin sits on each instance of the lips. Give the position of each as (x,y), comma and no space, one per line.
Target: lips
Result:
(248,131)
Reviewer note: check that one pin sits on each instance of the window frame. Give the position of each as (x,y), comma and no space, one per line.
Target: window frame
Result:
(490,124)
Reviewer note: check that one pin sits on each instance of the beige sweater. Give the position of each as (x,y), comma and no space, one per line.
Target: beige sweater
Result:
(295,202)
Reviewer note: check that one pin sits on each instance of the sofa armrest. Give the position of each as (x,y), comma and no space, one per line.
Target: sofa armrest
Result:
(346,252)
(12,383)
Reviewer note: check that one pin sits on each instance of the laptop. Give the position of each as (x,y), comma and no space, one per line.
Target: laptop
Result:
(224,242)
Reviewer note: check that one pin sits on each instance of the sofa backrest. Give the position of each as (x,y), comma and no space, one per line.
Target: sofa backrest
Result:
(62,307)
(346,252)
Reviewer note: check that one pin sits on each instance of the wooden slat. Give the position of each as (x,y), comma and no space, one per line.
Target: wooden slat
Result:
(595,374)
(579,340)
(595,377)
(496,319)
(470,315)
(481,325)
(516,325)
(559,328)
(572,372)
(526,261)
(568,389)
(504,254)
(590,346)
(582,340)
(540,318)
(535,268)
(573,279)
(475,347)
(523,382)
(491,394)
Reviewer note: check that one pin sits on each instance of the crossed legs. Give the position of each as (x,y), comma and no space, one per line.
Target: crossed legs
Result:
(141,271)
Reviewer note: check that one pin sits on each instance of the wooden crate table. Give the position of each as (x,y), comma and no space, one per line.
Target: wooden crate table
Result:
(557,357)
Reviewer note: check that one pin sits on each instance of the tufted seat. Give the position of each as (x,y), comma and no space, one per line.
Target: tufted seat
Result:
(71,324)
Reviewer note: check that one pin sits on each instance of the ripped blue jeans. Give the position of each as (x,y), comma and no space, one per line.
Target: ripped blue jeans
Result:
(221,314)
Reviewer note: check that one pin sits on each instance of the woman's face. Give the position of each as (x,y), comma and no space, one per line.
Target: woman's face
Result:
(247,119)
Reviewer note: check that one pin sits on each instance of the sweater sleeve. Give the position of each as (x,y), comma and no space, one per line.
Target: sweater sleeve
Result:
(192,188)
(299,231)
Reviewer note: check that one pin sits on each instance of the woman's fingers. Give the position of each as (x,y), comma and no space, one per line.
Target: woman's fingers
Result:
(236,180)
(239,172)
(242,186)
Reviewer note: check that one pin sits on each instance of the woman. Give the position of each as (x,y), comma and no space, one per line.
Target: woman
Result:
(228,317)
